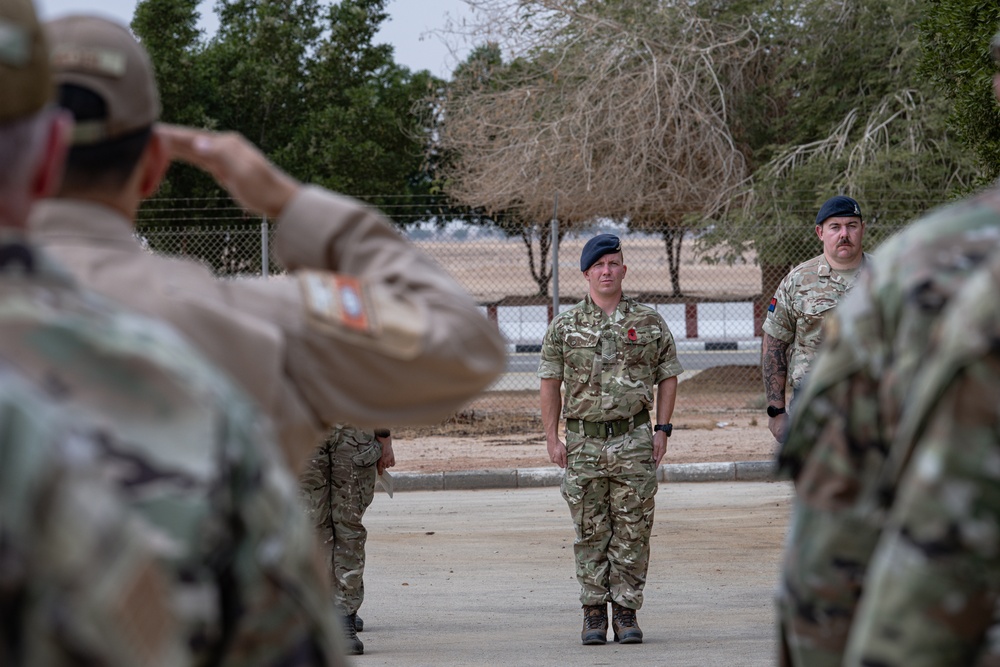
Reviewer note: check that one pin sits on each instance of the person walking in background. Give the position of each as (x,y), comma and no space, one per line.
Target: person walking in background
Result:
(609,352)
(844,433)
(179,477)
(365,328)
(339,485)
(793,326)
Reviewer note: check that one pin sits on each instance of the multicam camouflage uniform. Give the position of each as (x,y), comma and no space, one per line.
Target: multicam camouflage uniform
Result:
(609,366)
(806,295)
(340,485)
(847,414)
(79,577)
(187,454)
(935,576)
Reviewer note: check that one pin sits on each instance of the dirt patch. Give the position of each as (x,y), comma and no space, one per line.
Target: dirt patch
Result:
(718,417)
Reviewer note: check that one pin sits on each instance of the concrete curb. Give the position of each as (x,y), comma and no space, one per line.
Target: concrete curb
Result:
(526,478)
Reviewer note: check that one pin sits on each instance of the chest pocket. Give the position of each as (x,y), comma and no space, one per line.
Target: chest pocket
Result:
(641,346)
(582,348)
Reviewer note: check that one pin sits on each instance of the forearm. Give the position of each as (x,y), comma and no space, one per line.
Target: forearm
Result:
(774,368)
(666,397)
(551,404)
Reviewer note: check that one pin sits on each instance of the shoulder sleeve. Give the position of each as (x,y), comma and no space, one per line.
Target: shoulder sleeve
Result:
(779,322)
(669,365)
(550,366)
(377,332)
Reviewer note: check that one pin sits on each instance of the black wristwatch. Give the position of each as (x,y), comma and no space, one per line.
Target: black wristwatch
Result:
(774,412)
(666,428)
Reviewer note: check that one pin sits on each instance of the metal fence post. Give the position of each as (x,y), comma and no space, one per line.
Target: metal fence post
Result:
(555,256)
(263,246)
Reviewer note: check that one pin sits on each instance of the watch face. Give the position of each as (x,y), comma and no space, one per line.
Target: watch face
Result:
(774,412)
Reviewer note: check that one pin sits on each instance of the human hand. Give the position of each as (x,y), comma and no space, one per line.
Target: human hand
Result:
(388,458)
(235,163)
(659,447)
(557,451)
(778,426)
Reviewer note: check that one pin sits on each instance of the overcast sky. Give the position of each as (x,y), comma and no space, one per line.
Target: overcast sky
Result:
(406,28)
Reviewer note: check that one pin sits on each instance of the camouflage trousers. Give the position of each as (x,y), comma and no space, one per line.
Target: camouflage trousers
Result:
(338,486)
(609,486)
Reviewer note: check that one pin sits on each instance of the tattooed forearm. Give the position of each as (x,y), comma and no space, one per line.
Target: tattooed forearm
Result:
(774,366)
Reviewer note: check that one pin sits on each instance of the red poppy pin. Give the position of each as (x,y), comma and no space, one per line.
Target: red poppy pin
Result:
(632,336)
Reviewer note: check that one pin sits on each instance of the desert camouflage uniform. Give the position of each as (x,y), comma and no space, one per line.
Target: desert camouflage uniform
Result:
(188,455)
(340,485)
(795,316)
(609,366)
(847,414)
(78,573)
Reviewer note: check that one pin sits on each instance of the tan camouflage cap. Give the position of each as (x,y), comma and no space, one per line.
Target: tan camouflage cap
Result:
(25,83)
(103,57)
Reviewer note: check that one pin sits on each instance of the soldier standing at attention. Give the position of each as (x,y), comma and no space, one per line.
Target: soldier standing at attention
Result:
(364,328)
(842,437)
(793,328)
(610,352)
(339,485)
(220,567)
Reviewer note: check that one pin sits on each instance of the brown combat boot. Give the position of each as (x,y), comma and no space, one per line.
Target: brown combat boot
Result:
(624,624)
(595,624)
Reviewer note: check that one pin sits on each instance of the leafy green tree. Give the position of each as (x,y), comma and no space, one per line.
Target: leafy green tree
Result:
(956,35)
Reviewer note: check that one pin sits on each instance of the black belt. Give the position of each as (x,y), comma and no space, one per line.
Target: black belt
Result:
(607,429)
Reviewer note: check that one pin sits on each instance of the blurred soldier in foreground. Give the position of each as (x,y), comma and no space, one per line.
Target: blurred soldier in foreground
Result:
(166,434)
(810,292)
(80,582)
(339,485)
(849,412)
(366,329)
(610,351)
(934,580)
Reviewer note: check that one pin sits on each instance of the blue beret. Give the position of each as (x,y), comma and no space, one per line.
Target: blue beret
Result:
(838,207)
(597,247)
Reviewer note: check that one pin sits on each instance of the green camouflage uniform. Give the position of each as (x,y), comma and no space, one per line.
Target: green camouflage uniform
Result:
(339,484)
(609,366)
(79,579)
(795,316)
(188,455)
(935,575)
(847,412)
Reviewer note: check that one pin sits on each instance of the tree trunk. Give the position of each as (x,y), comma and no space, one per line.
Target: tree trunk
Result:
(673,237)
(541,273)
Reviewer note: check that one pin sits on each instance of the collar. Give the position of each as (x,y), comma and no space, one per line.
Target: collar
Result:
(624,304)
(80,220)
(19,258)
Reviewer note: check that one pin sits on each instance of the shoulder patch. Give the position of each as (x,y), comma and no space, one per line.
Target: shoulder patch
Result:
(337,299)
(770,307)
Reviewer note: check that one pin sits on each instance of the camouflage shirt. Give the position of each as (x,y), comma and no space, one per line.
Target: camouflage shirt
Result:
(806,295)
(609,366)
(189,456)
(78,575)
(935,575)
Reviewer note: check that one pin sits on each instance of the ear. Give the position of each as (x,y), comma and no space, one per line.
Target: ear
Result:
(48,175)
(819,231)
(155,164)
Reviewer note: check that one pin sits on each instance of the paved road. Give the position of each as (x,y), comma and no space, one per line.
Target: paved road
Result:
(465,578)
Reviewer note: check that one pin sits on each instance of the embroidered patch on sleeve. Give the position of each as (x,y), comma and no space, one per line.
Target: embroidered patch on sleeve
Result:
(770,307)
(337,299)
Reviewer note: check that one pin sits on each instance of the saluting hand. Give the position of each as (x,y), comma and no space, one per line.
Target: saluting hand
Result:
(236,164)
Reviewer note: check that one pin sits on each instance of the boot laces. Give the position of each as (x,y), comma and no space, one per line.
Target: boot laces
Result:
(594,619)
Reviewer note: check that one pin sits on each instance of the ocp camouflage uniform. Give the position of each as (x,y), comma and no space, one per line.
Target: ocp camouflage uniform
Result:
(339,484)
(78,573)
(935,575)
(795,315)
(609,366)
(847,413)
(187,453)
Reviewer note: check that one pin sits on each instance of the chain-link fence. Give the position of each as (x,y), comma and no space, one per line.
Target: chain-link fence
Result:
(713,308)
